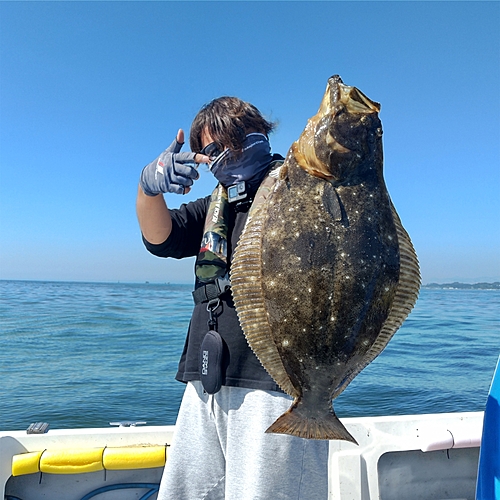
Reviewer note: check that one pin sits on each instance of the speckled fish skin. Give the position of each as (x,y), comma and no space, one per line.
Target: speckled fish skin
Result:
(327,288)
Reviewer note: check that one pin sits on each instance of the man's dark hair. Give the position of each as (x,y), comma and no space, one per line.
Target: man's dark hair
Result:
(228,120)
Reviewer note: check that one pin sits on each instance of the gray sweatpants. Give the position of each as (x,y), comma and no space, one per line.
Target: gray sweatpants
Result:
(221,452)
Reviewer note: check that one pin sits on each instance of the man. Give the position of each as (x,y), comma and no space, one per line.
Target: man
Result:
(220,448)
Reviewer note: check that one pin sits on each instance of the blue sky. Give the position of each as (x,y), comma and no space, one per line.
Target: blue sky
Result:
(92,91)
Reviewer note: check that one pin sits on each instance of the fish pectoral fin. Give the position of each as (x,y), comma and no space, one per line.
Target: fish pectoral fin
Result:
(331,202)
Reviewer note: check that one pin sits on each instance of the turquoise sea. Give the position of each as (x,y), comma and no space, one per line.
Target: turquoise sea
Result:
(86,354)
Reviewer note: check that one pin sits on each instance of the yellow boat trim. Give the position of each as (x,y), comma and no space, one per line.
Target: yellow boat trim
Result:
(79,461)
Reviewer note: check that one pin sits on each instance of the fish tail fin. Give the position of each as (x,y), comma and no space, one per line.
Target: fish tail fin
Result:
(326,426)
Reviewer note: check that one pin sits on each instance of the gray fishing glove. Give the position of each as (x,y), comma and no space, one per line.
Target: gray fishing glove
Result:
(171,172)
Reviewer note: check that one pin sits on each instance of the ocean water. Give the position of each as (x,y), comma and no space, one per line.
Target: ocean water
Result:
(86,354)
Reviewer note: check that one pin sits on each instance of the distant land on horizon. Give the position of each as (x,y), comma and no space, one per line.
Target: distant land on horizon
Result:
(456,285)
(464,286)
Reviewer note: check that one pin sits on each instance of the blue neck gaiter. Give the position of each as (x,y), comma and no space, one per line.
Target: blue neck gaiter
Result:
(250,165)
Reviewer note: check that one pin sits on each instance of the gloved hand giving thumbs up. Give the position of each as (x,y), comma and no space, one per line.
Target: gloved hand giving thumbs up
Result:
(172,171)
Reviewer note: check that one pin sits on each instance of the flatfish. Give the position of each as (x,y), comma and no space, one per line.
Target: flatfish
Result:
(324,273)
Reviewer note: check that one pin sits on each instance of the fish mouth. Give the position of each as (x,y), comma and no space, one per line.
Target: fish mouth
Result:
(316,144)
(351,97)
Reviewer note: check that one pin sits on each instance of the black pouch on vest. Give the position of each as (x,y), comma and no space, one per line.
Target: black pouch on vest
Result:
(211,362)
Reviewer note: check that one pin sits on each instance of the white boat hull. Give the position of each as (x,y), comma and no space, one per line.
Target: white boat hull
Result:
(414,457)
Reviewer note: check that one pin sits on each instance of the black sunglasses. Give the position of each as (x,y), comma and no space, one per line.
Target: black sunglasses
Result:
(212,150)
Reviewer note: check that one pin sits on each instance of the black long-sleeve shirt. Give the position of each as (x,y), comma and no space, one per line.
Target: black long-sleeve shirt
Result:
(242,368)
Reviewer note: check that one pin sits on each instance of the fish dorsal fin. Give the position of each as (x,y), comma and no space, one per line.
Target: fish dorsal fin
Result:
(404,299)
(248,295)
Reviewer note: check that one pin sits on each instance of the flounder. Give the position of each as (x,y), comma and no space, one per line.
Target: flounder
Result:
(324,273)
